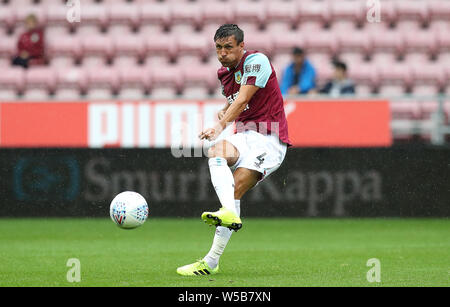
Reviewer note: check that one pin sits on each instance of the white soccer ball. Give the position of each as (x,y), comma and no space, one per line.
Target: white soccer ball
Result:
(128,210)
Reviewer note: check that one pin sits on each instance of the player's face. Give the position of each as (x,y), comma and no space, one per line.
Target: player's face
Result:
(229,52)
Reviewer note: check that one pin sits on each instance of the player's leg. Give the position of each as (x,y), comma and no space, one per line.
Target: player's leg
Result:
(244,179)
(221,156)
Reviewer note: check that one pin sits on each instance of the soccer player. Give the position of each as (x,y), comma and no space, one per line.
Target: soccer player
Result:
(238,162)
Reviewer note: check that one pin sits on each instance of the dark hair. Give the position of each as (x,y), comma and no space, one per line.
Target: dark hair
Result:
(340,65)
(227,30)
(298,51)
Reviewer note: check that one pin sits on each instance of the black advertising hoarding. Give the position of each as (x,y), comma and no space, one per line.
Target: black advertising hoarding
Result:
(391,182)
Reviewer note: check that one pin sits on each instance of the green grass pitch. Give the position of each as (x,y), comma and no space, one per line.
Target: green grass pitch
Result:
(266,252)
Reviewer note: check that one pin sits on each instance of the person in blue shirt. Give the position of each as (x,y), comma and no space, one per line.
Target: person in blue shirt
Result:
(299,77)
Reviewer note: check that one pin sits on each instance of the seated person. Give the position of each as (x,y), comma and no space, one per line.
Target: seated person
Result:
(299,77)
(340,84)
(30,47)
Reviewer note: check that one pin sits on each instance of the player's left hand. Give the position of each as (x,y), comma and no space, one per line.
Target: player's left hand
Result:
(211,133)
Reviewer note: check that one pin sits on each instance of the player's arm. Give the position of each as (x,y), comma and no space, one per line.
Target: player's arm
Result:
(246,93)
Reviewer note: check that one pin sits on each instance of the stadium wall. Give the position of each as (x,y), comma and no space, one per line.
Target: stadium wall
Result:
(322,182)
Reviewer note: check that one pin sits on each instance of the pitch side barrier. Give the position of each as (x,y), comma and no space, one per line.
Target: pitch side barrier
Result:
(312,182)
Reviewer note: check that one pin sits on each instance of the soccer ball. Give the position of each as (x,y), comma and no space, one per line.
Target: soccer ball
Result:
(128,210)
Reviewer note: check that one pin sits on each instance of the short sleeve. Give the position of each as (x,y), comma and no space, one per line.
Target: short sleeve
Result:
(257,70)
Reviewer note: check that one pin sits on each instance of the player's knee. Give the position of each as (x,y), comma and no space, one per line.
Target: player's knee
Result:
(216,151)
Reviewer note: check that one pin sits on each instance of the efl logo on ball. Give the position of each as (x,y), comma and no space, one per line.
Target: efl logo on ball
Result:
(128,210)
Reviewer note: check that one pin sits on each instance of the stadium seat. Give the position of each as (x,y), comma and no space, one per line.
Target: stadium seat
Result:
(7,18)
(310,10)
(128,49)
(428,74)
(260,41)
(12,81)
(156,44)
(102,82)
(193,48)
(123,14)
(63,50)
(324,42)
(70,83)
(22,10)
(186,17)
(57,14)
(96,49)
(405,109)
(39,83)
(358,42)
(283,44)
(422,44)
(412,10)
(216,13)
(390,42)
(134,83)
(364,74)
(353,11)
(95,18)
(249,12)
(204,76)
(8,46)
(439,10)
(153,15)
(281,16)
(393,78)
(167,81)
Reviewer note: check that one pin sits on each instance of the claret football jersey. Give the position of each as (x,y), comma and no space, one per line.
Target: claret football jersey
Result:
(265,111)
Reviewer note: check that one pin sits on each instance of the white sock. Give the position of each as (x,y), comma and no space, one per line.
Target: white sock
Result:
(223,182)
(221,238)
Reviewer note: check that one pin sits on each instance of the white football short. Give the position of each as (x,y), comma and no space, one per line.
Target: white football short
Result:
(259,152)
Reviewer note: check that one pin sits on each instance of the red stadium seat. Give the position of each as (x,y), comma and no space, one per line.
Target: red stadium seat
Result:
(65,45)
(250,12)
(261,41)
(321,42)
(167,81)
(439,10)
(8,46)
(358,41)
(216,13)
(189,15)
(123,17)
(283,44)
(420,46)
(405,109)
(363,74)
(128,49)
(196,47)
(22,10)
(97,49)
(93,15)
(7,18)
(70,83)
(39,83)
(394,79)
(313,11)
(154,14)
(102,82)
(430,73)
(412,10)
(135,82)
(353,11)
(387,42)
(12,80)
(281,15)
(57,14)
